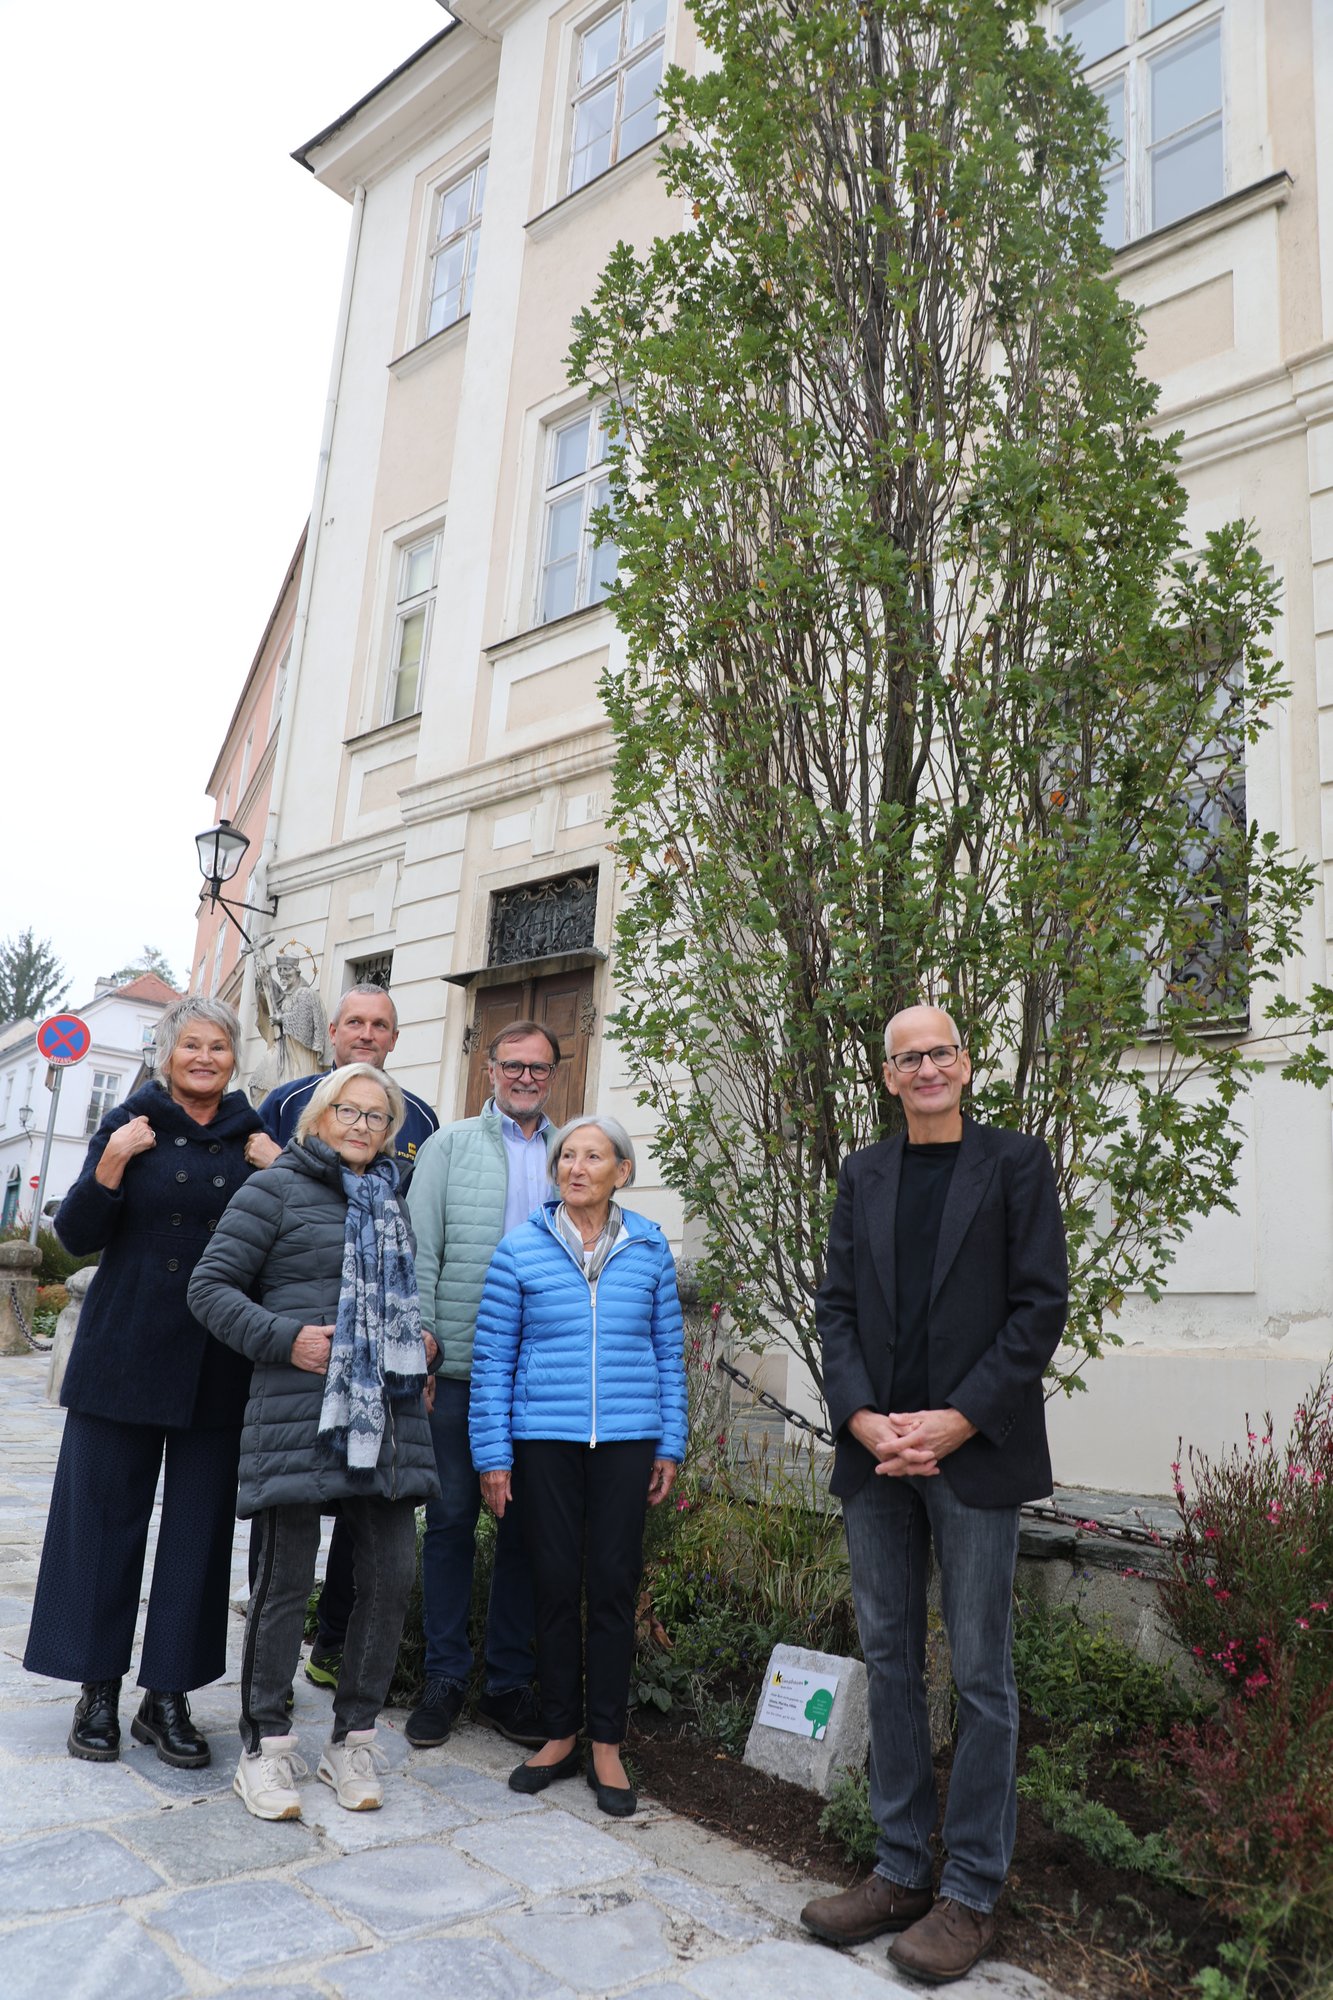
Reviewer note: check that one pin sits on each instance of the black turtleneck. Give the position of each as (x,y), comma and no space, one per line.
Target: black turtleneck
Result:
(923,1189)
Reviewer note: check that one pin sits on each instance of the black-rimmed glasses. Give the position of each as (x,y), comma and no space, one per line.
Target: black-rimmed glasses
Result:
(512,1071)
(347,1114)
(910,1061)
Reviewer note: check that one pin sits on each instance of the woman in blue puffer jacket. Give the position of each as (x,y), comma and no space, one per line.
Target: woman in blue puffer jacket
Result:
(578,1411)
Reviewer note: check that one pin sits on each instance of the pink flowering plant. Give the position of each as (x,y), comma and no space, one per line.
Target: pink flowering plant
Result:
(1252,1576)
(1250,1594)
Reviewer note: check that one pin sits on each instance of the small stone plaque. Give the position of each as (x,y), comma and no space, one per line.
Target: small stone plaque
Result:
(812,1719)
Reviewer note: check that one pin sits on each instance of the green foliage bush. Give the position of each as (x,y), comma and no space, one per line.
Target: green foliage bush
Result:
(1070,1673)
(847,1817)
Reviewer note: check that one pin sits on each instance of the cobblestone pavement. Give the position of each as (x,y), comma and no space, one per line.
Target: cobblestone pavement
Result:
(136,1882)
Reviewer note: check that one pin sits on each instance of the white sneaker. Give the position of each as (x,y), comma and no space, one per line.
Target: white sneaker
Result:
(266,1778)
(353,1768)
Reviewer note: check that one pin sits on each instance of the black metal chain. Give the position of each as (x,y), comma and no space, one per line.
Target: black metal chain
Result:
(1138,1537)
(37,1346)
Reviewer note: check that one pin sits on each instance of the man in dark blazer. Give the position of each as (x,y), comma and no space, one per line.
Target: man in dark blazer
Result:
(944,1299)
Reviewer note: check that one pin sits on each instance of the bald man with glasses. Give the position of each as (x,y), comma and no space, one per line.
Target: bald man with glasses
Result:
(944,1298)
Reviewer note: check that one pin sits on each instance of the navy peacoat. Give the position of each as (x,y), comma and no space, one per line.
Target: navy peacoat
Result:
(140,1356)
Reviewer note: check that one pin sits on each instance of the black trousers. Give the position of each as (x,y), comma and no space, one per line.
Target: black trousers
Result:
(582,1508)
(93,1555)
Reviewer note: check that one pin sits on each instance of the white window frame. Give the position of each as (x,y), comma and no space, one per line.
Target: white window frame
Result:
(588,590)
(217,959)
(279,691)
(580,94)
(469,234)
(407,604)
(1130,66)
(244,778)
(102,1097)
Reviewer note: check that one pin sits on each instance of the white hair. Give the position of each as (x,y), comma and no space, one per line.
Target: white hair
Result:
(329,1090)
(621,1143)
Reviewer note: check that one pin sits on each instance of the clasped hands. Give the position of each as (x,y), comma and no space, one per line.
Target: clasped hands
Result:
(310,1351)
(910,1444)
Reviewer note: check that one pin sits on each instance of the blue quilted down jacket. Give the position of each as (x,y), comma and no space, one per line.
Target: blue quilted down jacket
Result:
(556,1357)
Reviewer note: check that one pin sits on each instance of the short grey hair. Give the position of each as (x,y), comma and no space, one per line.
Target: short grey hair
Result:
(612,1128)
(368,991)
(177,1018)
(328,1091)
(927,1006)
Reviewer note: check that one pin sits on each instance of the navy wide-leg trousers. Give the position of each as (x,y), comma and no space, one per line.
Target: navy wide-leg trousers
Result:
(91,1576)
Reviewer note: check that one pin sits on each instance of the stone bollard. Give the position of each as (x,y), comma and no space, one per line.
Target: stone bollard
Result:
(19,1264)
(66,1327)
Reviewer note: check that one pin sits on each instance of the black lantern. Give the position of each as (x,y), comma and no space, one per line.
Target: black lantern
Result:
(221,851)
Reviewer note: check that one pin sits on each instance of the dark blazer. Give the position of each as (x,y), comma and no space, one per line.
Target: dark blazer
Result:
(998,1302)
(140,1356)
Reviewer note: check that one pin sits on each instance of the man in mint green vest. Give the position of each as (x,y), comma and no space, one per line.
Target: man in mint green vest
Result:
(473,1183)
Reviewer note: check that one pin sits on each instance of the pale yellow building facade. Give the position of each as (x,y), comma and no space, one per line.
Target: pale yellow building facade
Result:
(442,776)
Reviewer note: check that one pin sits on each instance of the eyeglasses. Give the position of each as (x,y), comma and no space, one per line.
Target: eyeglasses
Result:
(375,1121)
(512,1071)
(910,1061)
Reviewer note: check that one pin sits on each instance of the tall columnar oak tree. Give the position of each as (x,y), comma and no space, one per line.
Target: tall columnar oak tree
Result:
(928,695)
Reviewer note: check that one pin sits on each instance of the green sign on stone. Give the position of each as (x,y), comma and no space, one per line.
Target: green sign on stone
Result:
(818,1709)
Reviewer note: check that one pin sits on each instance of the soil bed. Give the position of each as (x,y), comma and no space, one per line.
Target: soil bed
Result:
(1088,1929)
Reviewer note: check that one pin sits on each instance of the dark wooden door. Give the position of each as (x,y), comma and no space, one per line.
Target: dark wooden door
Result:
(562,1002)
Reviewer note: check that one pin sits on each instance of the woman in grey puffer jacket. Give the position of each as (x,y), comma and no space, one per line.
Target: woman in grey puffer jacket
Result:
(311,1277)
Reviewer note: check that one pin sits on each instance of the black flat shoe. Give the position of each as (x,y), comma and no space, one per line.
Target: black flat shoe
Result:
(164,1720)
(536,1777)
(96,1731)
(618,1800)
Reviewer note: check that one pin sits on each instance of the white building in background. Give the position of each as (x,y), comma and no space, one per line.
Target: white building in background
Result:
(438,796)
(122,1020)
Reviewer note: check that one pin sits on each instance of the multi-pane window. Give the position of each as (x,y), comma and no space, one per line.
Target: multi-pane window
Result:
(414,608)
(1157,67)
(454,245)
(106,1086)
(574,573)
(1211,970)
(616,84)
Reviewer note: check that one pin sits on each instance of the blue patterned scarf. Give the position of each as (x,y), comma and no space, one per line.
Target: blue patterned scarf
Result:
(377,1349)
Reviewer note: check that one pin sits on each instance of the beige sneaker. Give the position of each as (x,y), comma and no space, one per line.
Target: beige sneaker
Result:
(266,1778)
(353,1768)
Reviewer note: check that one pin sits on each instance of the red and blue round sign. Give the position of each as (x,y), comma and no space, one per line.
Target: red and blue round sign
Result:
(63,1039)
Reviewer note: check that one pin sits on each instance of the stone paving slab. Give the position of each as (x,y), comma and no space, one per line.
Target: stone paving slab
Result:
(236,1927)
(399,1890)
(104,1957)
(445,1969)
(134,1881)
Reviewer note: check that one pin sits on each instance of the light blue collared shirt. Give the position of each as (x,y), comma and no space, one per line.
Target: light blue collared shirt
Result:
(526,1160)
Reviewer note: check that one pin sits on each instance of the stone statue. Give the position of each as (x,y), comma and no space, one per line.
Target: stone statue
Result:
(291,1019)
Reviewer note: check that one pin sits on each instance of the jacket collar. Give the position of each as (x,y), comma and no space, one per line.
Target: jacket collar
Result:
(235,1115)
(971,1174)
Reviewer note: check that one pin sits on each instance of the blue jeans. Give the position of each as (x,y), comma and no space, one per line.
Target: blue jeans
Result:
(447,1553)
(890,1525)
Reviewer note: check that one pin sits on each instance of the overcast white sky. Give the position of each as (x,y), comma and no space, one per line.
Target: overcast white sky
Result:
(168,291)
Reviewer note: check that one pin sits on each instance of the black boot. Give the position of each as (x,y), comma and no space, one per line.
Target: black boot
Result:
(164,1719)
(96,1731)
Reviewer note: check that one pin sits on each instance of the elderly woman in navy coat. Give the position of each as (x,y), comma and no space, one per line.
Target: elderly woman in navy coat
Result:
(146,1382)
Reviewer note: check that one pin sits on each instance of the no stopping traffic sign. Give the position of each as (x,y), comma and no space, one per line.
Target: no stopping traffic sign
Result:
(64,1039)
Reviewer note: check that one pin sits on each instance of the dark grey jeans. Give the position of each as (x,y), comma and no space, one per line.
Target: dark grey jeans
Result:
(384,1540)
(890,1525)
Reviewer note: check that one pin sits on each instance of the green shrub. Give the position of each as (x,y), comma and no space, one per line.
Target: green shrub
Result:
(1071,1673)
(1054,1781)
(847,1819)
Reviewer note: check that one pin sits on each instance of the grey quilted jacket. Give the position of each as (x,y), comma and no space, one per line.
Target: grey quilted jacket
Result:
(457,1205)
(274,1265)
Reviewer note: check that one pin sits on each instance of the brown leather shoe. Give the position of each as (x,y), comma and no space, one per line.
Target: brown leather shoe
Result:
(872,1907)
(945,1944)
